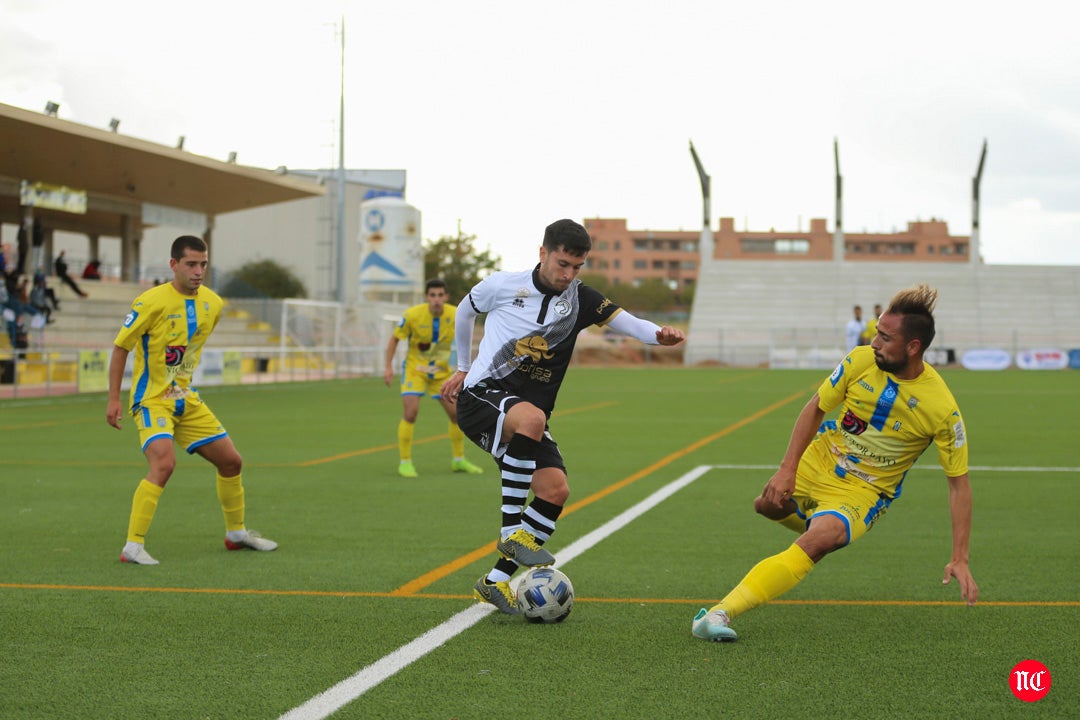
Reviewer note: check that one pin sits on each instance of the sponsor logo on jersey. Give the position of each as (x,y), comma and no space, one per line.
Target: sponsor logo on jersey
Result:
(853,424)
(174,355)
(534,347)
(131,318)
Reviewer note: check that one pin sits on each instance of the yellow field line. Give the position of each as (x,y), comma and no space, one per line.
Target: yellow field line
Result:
(365,451)
(446,596)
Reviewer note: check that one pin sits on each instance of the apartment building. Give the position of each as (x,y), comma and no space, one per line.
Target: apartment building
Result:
(630,256)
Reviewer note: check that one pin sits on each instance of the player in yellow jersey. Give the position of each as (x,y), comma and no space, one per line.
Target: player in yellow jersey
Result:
(871,327)
(166,329)
(428,329)
(838,478)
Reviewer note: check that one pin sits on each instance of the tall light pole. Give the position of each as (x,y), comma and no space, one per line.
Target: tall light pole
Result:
(838,233)
(976,182)
(705,242)
(342,295)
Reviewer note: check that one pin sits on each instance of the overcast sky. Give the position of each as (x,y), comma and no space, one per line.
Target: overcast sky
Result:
(508,115)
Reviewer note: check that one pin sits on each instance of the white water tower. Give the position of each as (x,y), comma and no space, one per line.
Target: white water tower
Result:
(391,251)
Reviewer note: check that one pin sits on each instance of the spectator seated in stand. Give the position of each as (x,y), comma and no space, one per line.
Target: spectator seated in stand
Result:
(92,271)
(12,310)
(39,297)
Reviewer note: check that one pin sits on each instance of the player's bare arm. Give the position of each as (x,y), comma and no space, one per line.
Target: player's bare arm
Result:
(388,370)
(778,490)
(960,512)
(114,412)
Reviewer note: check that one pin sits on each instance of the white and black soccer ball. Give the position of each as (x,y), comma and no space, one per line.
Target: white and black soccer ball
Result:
(545,595)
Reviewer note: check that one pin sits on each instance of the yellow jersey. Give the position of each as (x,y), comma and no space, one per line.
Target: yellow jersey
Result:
(430,338)
(166,332)
(885,424)
(870,331)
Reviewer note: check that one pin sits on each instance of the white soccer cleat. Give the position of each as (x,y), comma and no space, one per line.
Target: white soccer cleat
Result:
(138,556)
(714,626)
(251,541)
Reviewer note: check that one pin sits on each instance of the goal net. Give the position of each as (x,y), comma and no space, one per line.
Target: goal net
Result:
(329,338)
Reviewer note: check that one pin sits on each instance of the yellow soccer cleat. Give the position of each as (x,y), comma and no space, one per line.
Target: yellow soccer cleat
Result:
(464,466)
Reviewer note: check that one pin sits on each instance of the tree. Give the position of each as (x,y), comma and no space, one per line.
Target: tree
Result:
(457,262)
(650,296)
(264,279)
(598,282)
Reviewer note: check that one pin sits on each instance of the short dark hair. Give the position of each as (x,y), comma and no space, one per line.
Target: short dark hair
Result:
(434,283)
(568,235)
(186,242)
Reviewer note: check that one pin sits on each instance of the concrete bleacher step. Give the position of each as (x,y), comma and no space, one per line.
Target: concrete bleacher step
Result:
(806,302)
(93,322)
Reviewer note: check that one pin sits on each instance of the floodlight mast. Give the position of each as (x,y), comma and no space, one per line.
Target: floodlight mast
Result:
(976,182)
(705,242)
(838,233)
(342,273)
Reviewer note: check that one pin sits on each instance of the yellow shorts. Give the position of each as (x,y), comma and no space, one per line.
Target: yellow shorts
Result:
(424,380)
(186,420)
(819,491)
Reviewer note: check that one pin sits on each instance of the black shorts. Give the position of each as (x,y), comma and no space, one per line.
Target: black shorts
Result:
(480,415)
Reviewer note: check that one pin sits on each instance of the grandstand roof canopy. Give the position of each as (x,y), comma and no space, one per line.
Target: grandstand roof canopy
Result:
(121,174)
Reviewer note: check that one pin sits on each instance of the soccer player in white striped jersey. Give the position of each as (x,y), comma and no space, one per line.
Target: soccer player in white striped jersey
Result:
(505,396)
(838,478)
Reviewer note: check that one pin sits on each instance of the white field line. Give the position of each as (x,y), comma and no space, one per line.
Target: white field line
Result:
(330,701)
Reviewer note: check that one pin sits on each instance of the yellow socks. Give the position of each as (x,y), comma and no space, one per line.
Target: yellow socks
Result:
(457,439)
(404,439)
(769,579)
(143,507)
(230,493)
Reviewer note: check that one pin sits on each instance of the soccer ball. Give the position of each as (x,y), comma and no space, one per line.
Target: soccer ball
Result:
(545,595)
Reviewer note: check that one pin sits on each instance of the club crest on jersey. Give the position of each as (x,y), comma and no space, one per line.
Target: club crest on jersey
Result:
(174,355)
(836,374)
(852,424)
(562,307)
(535,347)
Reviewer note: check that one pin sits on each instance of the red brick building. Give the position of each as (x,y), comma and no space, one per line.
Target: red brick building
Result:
(632,256)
